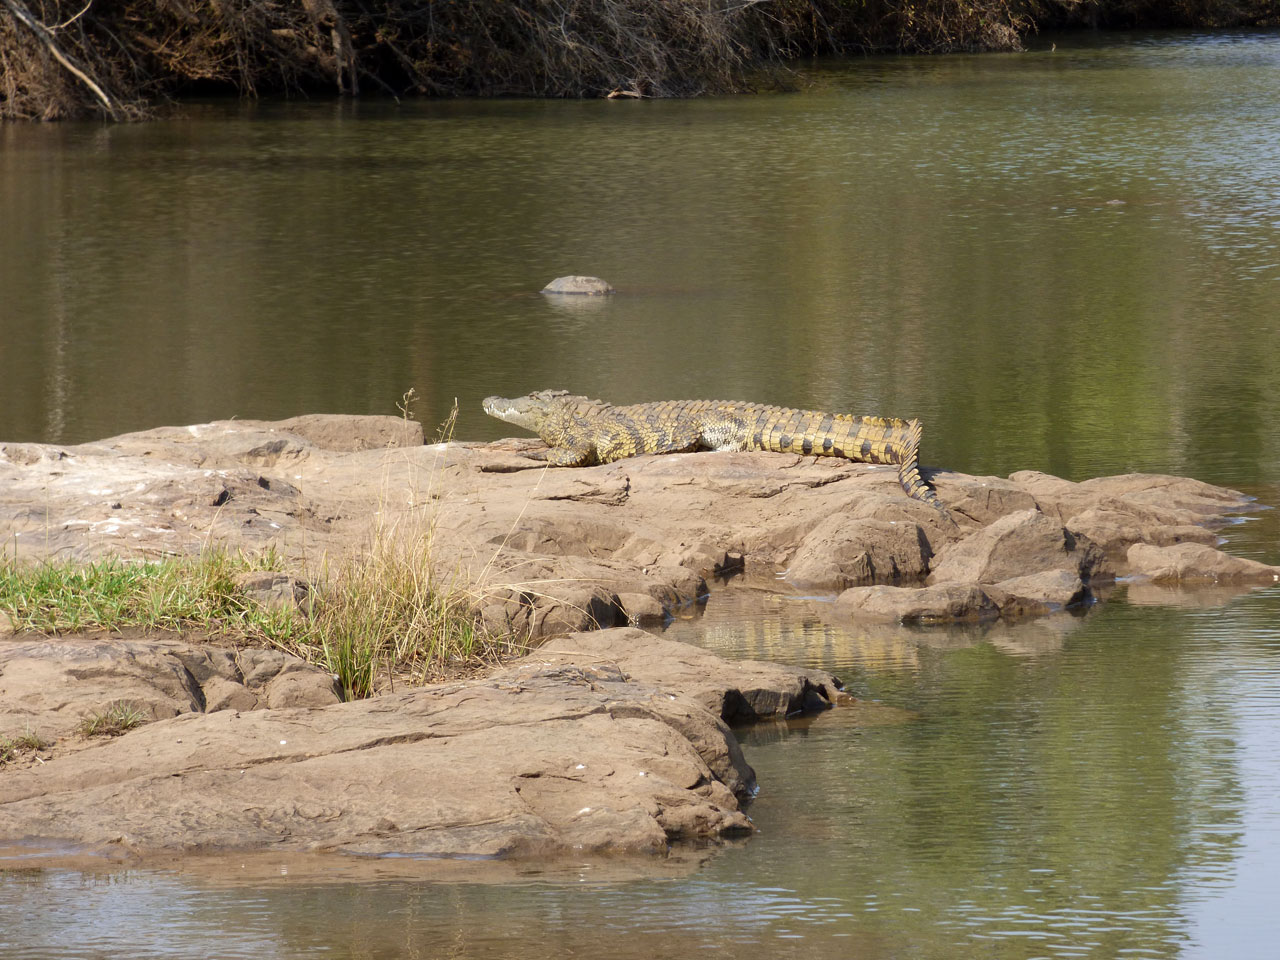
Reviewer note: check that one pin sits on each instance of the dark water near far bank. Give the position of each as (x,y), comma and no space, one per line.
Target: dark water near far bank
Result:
(1064,261)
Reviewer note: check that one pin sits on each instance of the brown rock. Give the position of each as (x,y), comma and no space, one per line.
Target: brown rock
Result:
(299,685)
(550,550)
(550,609)
(1053,496)
(1195,561)
(1016,545)
(940,603)
(984,499)
(1115,531)
(563,752)
(642,608)
(52,684)
(1038,594)
(737,691)
(345,433)
(275,591)
(1179,493)
(852,551)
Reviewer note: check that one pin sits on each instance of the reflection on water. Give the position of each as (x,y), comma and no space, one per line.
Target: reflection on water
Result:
(1061,261)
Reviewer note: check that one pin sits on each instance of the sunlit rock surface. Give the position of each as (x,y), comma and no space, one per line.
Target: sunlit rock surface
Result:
(608,742)
(560,549)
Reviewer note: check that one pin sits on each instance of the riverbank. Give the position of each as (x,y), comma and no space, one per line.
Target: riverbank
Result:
(121,62)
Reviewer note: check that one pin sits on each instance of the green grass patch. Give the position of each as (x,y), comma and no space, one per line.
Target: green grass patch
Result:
(378,614)
(117,718)
(29,742)
(109,594)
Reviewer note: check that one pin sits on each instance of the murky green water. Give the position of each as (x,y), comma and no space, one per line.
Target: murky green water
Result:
(1066,261)
(1061,260)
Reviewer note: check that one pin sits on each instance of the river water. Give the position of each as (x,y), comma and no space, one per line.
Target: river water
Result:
(1065,260)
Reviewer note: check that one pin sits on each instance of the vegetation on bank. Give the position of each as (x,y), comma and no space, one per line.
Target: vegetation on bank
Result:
(380,614)
(68,58)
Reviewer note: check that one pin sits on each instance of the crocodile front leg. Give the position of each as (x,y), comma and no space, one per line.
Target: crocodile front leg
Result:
(576,456)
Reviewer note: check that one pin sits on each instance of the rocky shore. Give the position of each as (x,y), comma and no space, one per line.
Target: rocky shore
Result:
(607,741)
(554,550)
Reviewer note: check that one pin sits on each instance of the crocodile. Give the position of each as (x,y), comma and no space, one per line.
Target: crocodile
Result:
(583,432)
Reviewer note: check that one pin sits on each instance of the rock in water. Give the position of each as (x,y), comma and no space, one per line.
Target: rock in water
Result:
(586,286)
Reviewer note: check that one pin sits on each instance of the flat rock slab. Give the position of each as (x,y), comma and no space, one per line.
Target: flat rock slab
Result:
(1188,562)
(580,748)
(555,550)
(50,685)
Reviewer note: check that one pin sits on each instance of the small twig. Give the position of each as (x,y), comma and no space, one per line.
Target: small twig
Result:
(67,23)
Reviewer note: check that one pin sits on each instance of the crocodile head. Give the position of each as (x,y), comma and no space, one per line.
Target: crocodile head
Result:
(533,411)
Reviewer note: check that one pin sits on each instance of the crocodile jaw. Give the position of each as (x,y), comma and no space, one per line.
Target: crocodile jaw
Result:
(510,410)
(529,412)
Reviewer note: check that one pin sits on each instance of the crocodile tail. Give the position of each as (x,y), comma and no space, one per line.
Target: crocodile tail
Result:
(909,468)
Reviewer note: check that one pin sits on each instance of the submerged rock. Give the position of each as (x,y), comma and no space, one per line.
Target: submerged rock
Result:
(939,603)
(1041,593)
(581,286)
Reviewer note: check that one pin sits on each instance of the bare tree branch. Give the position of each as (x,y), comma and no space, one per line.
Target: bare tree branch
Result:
(43,34)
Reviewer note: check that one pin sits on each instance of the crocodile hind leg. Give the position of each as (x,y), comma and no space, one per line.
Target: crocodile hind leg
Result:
(724,432)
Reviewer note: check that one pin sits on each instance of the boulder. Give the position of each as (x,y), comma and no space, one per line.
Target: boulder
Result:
(940,603)
(1053,496)
(737,691)
(641,608)
(275,590)
(982,499)
(855,551)
(1018,544)
(1116,530)
(1038,594)
(1195,561)
(1163,491)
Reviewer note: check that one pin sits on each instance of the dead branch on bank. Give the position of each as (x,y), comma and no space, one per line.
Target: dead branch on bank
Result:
(45,36)
(117,58)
